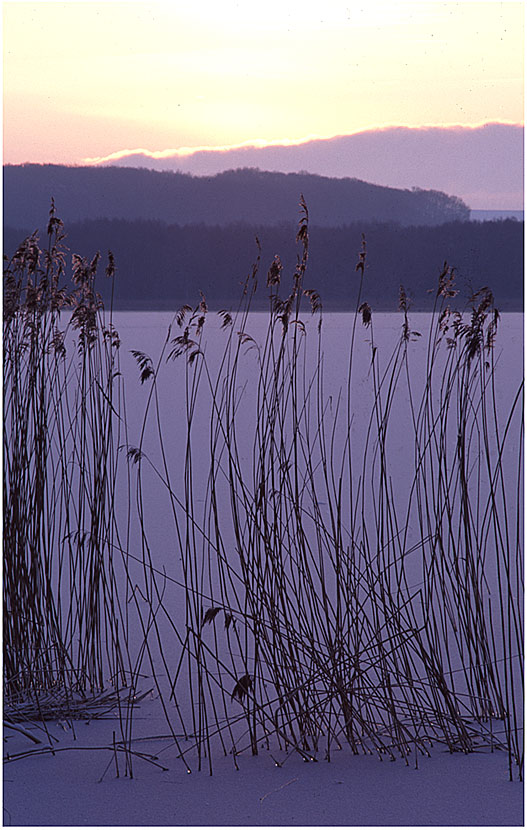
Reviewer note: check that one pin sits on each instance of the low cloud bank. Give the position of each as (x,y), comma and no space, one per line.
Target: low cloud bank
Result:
(482,165)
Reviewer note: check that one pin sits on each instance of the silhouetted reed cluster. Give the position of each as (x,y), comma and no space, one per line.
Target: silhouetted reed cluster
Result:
(320,595)
(65,622)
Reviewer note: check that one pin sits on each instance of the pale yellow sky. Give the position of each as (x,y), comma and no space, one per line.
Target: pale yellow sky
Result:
(87,79)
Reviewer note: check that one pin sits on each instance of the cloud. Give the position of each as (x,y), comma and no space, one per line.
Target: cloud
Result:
(183,152)
(481,164)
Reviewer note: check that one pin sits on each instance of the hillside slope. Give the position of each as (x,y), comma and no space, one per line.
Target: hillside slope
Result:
(246,195)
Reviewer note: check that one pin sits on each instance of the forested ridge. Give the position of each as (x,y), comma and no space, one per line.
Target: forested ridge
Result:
(162,266)
(249,195)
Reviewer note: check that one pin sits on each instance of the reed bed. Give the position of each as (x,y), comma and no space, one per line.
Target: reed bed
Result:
(65,582)
(329,601)
(319,592)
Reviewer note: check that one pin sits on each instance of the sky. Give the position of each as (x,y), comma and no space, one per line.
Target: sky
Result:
(84,80)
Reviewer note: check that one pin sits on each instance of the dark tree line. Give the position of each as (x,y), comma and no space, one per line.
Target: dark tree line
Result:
(247,195)
(164,266)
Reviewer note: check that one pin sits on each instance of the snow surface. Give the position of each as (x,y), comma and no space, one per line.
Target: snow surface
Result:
(66,789)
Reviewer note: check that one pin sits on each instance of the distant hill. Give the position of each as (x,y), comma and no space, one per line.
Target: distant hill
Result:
(248,195)
(482,165)
(162,266)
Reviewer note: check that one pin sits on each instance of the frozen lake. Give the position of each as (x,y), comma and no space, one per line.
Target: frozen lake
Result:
(320,554)
(147,333)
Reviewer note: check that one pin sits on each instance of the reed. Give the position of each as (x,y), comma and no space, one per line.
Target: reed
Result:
(65,621)
(328,599)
